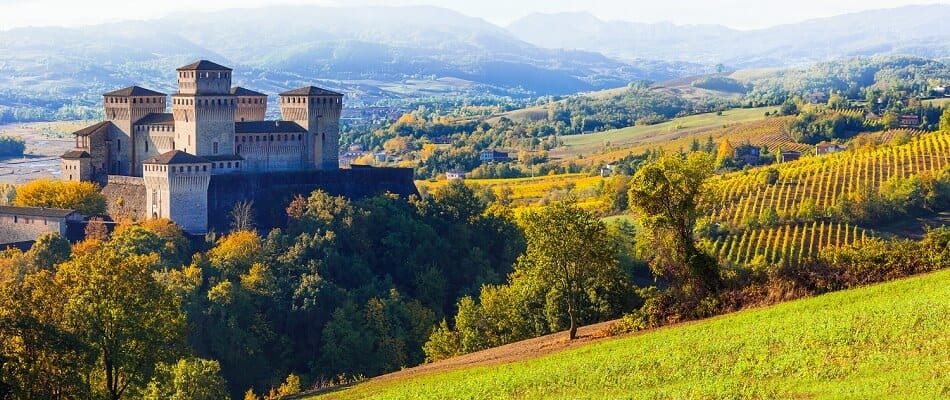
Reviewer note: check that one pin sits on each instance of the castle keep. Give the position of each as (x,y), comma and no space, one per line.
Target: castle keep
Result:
(213,130)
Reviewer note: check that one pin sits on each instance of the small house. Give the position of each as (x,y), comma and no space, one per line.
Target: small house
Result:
(748,154)
(828,148)
(789,156)
(908,121)
(488,156)
(455,175)
(26,224)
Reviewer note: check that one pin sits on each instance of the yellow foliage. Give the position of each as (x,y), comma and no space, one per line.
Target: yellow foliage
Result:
(80,196)
(236,252)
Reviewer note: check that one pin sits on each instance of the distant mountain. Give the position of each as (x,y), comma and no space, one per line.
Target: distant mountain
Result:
(915,30)
(368,52)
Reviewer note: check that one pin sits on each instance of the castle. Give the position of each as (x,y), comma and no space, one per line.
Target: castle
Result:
(213,129)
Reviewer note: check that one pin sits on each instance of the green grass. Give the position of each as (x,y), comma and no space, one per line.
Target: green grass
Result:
(587,144)
(885,341)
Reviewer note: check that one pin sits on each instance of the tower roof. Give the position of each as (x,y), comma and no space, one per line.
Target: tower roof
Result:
(311,91)
(240,91)
(204,65)
(175,157)
(75,154)
(268,127)
(92,129)
(134,91)
(157,119)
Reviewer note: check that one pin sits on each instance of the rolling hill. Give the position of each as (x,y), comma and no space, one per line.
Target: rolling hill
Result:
(917,30)
(884,341)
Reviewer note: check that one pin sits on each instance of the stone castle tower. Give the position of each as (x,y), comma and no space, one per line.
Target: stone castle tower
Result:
(176,187)
(318,111)
(123,108)
(204,104)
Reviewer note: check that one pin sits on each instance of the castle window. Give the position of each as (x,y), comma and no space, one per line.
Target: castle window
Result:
(215,147)
(299,137)
(16,219)
(146,145)
(229,164)
(237,165)
(189,168)
(118,145)
(204,168)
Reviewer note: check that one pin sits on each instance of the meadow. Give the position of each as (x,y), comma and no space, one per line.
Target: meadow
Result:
(654,136)
(889,340)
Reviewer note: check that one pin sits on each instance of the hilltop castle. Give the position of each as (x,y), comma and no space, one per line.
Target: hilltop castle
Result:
(213,129)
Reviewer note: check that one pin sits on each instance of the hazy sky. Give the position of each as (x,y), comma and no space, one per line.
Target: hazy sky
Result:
(740,14)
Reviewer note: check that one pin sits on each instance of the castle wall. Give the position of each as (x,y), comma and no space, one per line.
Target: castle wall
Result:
(250,108)
(152,140)
(125,197)
(272,152)
(272,192)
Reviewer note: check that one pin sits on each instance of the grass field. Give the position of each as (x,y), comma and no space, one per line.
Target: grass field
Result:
(658,135)
(885,341)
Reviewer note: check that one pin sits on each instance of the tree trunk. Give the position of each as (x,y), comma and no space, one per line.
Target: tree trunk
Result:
(570,313)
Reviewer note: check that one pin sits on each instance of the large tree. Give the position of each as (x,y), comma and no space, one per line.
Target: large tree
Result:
(667,195)
(131,322)
(567,248)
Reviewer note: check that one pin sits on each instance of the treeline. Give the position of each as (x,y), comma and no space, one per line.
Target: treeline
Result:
(11,146)
(889,79)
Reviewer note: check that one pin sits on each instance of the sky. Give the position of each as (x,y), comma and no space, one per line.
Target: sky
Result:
(738,14)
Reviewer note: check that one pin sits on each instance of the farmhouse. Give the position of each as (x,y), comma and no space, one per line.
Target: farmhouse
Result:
(789,156)
(828,148)
(908,121)
(26,224)
(488,156)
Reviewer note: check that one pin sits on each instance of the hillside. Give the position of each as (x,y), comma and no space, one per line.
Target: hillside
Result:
(884,341)
(370,53)
(916,30)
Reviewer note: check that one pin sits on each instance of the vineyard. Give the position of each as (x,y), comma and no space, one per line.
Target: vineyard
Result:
(785,243)
(825,179)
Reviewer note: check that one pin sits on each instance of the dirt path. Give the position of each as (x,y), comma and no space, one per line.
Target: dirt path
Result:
(517,351)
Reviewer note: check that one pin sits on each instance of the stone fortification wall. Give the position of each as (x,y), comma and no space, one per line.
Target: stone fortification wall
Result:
(125,197)
(277,152)
(272,192)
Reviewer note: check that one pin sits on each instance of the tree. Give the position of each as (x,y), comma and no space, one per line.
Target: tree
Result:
(114,305)
(48,251)
(242,216)
(725,152)
(568,246)
(668,194)
(96,229)
(83,197)
(945,120)
(187,379)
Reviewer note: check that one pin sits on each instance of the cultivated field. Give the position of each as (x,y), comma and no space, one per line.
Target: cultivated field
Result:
(614,144)
(885,341)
